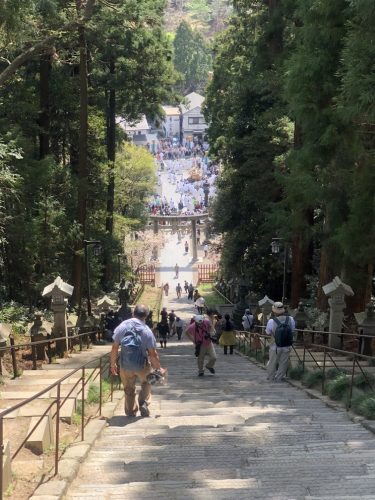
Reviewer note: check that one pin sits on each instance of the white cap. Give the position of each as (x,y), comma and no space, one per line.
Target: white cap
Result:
(278,308)
(198,318)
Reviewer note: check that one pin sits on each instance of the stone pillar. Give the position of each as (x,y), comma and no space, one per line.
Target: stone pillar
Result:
(366,320)
(37,333)
(59,291)
(156,226)
(194,239)
(336,292)
(266,307)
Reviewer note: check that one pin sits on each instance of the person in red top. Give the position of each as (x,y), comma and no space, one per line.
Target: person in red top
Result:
(199,333)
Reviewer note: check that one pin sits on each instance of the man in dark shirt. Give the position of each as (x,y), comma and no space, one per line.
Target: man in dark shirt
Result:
(163,331)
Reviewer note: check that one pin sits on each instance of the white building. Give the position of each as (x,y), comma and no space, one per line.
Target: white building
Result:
(141,127)
(193,122)
(171,122)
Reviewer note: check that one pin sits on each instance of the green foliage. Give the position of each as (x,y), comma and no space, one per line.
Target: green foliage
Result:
(248,130)
(93,394)
(296,372)
(364,381)
(365,405)
(131,56)
(338,387)
(332,373)
(135,179)
(192,58)
(312,378)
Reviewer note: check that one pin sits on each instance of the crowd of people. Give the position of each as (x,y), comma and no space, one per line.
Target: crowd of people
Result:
(139,357)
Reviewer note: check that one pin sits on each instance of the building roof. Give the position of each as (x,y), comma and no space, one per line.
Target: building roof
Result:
(171,111)
(142,124)
(193,100)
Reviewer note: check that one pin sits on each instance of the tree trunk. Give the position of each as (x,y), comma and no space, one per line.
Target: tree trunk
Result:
(326,275)
(111,156)
(111,153)
(44,117)
(362,289)
(276,37)
(300,267)
(82,163)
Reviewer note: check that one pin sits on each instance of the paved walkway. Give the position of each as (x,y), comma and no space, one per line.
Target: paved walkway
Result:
(228,436)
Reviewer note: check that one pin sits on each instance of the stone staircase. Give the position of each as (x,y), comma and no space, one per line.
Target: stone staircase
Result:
(21,422)
(228,436)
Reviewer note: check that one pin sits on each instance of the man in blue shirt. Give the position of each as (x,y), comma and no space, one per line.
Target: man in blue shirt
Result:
(136,325)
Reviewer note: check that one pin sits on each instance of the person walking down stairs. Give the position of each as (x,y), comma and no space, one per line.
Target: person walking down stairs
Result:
(228,337)
(138,355)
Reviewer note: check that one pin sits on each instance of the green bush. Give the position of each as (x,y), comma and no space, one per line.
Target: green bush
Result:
(296,372)
(362,381)
(333,373)
(365,406)
(337,388)
(93,394)
(357,397)
(313,377)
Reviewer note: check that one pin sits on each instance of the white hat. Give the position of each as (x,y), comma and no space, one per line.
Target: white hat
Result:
(198,318)
(278,308)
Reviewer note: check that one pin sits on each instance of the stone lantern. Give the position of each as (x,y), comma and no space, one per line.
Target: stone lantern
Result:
(336,292)
(37,333)
(266,307)
(59,291)
(366,320)
(105,304)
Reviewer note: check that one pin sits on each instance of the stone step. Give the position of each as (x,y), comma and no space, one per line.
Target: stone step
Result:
(225,489)
(43,435)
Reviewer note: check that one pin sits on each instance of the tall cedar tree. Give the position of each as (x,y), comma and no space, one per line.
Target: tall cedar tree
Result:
(248,130)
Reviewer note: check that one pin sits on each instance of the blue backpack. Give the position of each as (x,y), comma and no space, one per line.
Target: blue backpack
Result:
(132,356)
(283,333)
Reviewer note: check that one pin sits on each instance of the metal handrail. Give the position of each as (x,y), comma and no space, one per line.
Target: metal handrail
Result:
(46,341)
(322,332)
(83,380)
(222,295)
(246,338)
(13,348)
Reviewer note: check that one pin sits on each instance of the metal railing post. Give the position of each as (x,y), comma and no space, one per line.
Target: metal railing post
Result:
(304,358)
(100,387)
(57,440)
(349,403)
(324,370)
(13,354)
(83,406)
(49,352)
(33,356)
(1,456)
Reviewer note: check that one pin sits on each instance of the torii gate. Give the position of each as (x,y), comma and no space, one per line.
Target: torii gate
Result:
(173,221)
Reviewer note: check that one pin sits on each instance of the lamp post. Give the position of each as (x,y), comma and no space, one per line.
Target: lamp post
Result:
(275,248)
(96,251)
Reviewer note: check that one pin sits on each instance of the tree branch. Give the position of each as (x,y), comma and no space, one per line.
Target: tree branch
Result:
(46,44)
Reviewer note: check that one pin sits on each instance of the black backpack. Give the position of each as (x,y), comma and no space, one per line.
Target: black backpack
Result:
(283,333)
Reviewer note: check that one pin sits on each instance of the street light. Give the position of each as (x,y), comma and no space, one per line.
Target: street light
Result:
(275,249)
(96,251)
